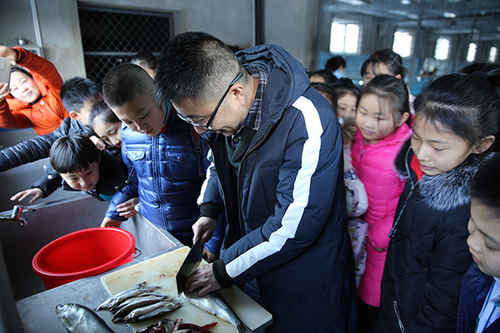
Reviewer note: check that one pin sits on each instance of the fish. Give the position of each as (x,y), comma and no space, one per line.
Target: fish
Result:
(216,306)
(113,301)
(151,311)
(77,318)
(136,302)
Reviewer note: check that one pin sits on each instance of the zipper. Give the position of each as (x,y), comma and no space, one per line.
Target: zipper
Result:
(255,146)
(398,316)
(156,177)
(395,225)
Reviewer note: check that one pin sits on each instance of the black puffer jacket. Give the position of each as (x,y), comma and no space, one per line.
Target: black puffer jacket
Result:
(37,148)
(428,255)
(113,176)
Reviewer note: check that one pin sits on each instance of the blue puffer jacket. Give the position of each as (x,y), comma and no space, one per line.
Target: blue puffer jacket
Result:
(166,172)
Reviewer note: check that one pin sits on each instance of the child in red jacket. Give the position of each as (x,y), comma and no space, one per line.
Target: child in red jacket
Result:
(33,98)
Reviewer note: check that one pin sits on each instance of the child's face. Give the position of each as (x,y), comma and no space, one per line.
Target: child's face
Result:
(23,88)
(375,119)
(346,106)
(142,115)
(436,147)
(484,238)
(83,180)
(110,133)
(374,69)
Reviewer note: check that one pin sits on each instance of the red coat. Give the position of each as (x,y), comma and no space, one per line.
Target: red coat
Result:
(45,115)
(374,165)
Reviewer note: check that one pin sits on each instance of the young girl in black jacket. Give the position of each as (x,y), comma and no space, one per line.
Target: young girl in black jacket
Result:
(456,123)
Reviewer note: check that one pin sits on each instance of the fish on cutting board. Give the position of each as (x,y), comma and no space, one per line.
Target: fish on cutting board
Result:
(216,306)
(137,302)
(112,302)
(151,311)
(77,318)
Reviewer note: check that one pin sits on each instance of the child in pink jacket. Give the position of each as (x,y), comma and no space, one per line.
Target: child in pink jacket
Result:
(382,119)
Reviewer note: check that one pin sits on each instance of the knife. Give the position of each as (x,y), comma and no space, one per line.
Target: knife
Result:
(189,265)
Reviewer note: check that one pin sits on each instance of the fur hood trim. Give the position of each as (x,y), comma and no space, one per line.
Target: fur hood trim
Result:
(445,191)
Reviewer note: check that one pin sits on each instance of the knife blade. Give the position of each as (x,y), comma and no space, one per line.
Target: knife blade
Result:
(190,264)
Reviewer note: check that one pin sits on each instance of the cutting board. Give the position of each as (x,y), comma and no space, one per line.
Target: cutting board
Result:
(161,271)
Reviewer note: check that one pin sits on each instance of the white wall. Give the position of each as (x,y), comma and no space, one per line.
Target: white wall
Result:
(293,25)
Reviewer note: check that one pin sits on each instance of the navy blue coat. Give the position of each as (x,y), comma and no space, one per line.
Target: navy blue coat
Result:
(475,287)
(166,172)
(290,233)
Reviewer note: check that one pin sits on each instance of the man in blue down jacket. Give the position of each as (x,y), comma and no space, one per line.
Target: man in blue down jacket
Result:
(277,175)
(164,156)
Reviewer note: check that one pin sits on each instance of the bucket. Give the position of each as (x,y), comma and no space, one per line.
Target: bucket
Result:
(83,253)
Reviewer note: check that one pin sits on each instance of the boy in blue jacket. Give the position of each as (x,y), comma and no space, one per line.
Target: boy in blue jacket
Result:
(165,154)
(479,305)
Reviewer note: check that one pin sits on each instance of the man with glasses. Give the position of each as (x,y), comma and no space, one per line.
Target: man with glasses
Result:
(164,156)
(276,175)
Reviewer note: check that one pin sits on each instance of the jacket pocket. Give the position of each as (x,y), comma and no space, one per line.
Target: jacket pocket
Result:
(136,155)
(182,165)
(397,314)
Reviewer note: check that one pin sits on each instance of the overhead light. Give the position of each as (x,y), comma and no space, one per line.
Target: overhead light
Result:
(449,15)
(405,2)
(355,2)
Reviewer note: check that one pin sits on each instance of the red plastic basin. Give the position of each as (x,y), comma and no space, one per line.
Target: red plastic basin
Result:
(83,253)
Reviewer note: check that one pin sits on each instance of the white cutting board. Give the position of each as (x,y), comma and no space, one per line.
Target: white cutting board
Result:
(161,271)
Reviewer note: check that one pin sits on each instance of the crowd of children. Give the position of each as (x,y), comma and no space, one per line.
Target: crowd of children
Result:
(422,200)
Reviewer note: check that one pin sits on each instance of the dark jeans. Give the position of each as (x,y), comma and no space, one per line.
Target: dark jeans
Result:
(367,316)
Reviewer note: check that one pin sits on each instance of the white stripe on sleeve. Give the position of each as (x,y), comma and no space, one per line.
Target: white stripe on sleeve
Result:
(301,187)
(201,197)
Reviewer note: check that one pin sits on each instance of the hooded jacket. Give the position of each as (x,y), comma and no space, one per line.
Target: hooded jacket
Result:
(289,233)
(48,112)
(374,165)
(475,287)
(428,254)
(39,147)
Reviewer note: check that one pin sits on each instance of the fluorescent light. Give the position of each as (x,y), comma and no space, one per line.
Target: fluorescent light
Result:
(405,2)
(449,15)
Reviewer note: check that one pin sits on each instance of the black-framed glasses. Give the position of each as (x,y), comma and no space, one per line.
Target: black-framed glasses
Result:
(212,115)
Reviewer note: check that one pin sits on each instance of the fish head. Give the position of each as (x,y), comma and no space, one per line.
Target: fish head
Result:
(69,314)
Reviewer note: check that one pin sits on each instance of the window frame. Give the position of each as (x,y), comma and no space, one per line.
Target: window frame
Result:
(345,23)
(412,46)
(447,51)
(493,47)
(469,50)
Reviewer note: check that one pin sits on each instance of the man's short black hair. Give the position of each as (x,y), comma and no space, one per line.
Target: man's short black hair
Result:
(124,82)
(70,154)
(145,57)
(194,65)
(76,91)
(101,109)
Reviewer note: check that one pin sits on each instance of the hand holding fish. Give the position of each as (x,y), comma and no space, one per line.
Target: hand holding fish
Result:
(202,281)
(203,229)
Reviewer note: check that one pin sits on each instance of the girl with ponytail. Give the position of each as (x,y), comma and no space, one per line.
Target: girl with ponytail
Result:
(455,127)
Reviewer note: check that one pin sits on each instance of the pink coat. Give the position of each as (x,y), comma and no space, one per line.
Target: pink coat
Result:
(374,165)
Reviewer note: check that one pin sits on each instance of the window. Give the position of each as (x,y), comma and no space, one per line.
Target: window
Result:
(403,43)
(471,52)
(442,48)
(493,54)
(111,36)
(344,38)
